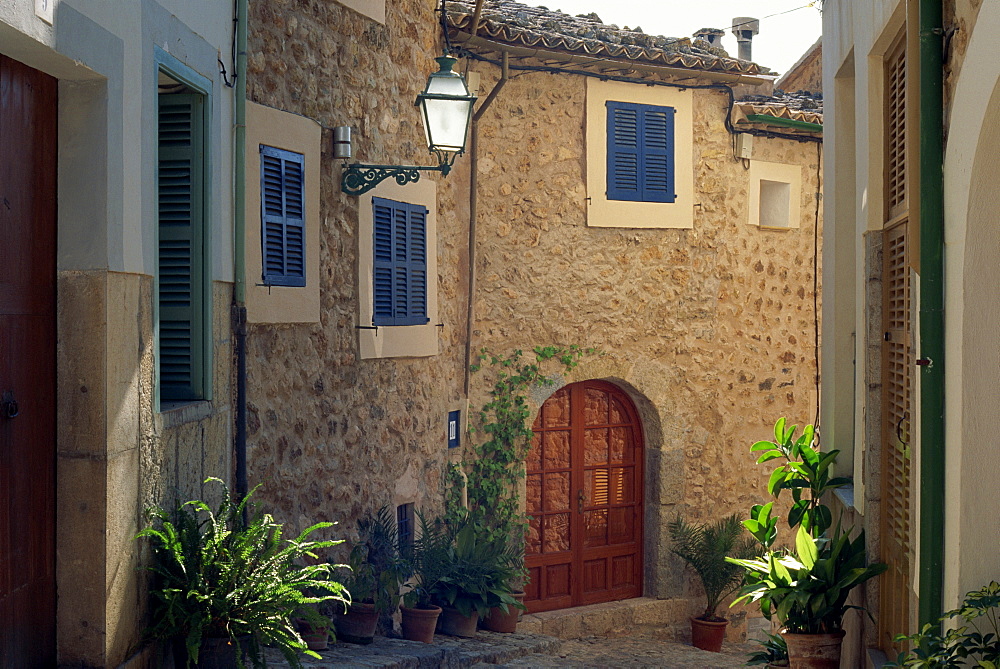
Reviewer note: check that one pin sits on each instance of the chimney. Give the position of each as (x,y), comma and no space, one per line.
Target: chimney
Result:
(745,27)
(711,35)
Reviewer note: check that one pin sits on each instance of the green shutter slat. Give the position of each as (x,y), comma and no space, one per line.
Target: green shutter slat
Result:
(180,257)
(282,189)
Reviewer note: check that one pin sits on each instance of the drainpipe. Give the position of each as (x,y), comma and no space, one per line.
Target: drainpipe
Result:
(239,252)
(474,209)
(931,361)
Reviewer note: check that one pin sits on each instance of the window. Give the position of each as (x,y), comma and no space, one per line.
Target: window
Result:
(397,308)
(404,527)
(640,156)
(640,152)
(400,263)
(282,198)
(775,195)
(182,272)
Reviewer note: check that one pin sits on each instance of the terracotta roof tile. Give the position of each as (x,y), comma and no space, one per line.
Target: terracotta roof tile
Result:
(522,25)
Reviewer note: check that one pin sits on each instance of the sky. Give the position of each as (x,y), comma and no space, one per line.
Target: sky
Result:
(783,39)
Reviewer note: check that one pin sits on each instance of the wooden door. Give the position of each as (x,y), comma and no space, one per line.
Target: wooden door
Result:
(27,365)
(584,493)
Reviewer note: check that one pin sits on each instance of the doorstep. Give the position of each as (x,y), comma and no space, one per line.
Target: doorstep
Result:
(665,619)
(446,651)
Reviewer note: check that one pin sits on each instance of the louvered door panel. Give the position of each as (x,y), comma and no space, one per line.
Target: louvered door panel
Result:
(897,363)
(180,175)
(895,128)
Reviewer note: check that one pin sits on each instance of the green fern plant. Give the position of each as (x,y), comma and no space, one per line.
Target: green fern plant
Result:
(705,548)
(216,577)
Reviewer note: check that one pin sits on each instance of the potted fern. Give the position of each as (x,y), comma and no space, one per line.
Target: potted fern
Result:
(223,588)
(705,547)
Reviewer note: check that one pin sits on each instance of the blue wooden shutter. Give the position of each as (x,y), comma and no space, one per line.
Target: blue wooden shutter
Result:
(640,148)
(180,258)
(400,263)
(623,151)
(282,190)
(657,130)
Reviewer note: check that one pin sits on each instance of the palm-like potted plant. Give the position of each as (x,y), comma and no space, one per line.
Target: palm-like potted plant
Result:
(428,563)
(807,588)
(705,547)
(377,571)
(479,577)
(222,586)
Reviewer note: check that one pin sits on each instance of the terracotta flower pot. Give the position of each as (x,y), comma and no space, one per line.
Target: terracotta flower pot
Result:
(813,651)
(358,624)
(316,637)
(498,621)
(454,623)
(707,634)
(419,624)
(214,653)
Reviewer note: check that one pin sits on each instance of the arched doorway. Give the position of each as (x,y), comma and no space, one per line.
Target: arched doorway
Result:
(584,493)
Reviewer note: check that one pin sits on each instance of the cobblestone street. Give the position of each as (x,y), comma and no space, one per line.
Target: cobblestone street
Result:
(494,651)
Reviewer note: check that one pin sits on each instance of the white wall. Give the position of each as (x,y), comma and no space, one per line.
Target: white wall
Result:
(102,52)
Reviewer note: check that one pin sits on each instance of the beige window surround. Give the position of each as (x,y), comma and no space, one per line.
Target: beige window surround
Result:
(775,200)
(282,130)
(605,213)
(396,341)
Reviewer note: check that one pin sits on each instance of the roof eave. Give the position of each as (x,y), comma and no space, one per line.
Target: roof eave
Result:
(475,42)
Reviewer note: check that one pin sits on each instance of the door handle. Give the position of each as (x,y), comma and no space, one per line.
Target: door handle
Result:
(580,499)
(8,407)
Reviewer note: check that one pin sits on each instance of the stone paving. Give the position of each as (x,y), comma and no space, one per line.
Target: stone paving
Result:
(498,651)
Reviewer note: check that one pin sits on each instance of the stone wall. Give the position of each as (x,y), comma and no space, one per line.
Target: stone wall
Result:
(807,75)
(330,435)
(711,330)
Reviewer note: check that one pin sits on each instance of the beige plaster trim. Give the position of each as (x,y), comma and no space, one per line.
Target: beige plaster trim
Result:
(404,340)
(783,174)
(283,130)
(373,9)
(605,213)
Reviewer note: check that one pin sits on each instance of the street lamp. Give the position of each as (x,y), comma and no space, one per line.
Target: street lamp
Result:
(446,107)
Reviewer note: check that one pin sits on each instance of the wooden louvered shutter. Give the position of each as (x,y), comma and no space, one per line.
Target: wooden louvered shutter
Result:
(657,132)
(623,151)
(640,152)
(400,263)
(282,190)
(180,192)
(895,129)
(896,592)
(416,267)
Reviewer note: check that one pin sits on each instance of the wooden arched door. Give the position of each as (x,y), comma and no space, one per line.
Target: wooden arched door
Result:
(584,494)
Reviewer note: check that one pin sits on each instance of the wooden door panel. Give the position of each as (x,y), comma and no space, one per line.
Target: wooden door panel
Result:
(27,365)
(582,490)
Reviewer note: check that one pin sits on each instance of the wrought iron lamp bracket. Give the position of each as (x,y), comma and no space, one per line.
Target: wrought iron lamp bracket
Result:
(359,178)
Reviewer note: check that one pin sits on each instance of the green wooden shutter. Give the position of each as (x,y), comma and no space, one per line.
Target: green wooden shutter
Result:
(400,263)
(181,267)
(282,191)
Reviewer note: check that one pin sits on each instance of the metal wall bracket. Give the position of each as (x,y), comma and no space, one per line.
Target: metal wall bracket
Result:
(359,178)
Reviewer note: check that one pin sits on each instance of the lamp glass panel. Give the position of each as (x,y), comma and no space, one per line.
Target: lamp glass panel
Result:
(445,123)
